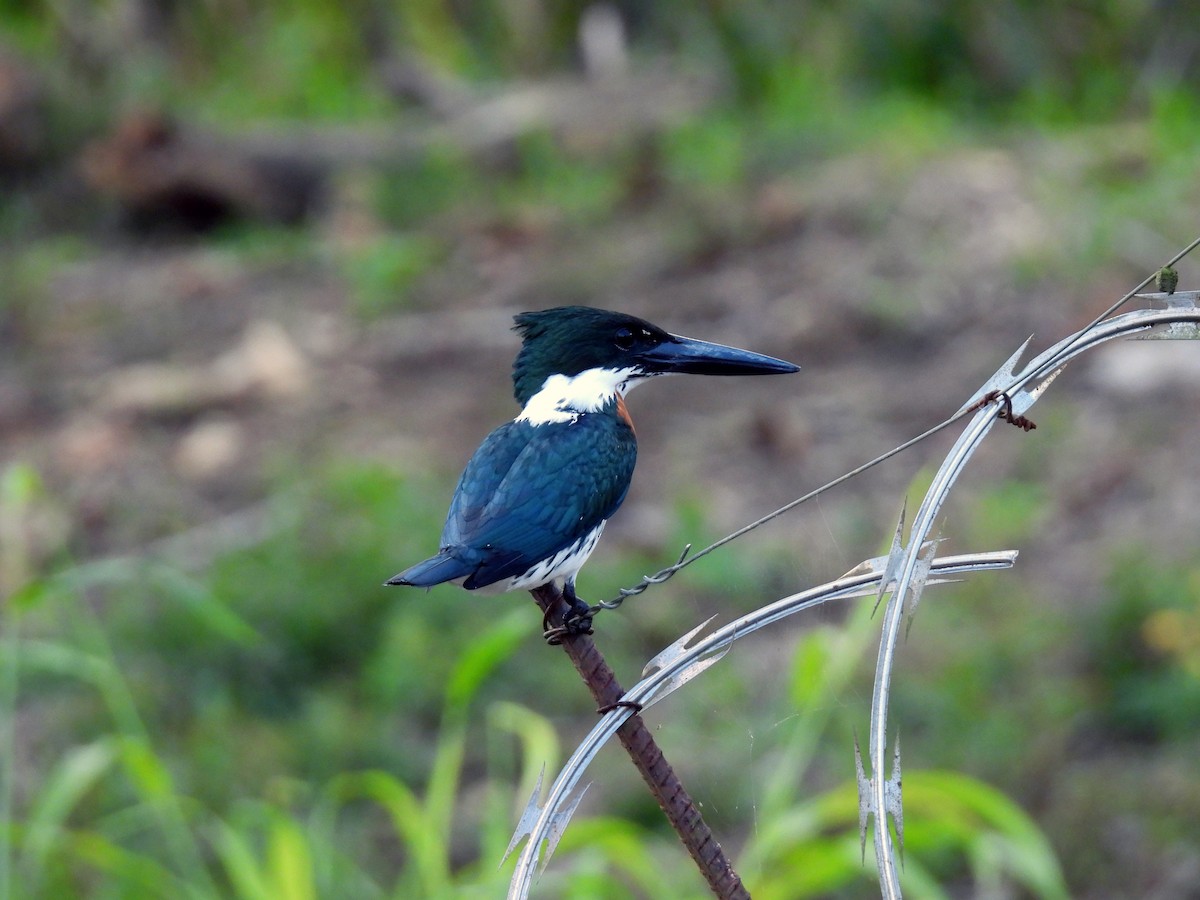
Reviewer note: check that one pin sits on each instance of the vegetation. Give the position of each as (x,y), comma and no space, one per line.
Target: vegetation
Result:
(263,722)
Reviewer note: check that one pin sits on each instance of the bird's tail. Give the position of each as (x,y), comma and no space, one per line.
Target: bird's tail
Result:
(435,570)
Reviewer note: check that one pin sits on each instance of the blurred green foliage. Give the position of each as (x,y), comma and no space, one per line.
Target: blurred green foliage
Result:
(313,58)
(1145,651)
(276,726)
(417,195)
(274,729)
(381,270)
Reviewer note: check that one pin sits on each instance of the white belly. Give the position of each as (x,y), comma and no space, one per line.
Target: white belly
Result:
(562,566)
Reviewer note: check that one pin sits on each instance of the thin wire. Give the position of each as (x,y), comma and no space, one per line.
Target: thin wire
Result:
(685,560)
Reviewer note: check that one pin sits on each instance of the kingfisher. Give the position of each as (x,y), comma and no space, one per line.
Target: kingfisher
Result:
(534,499)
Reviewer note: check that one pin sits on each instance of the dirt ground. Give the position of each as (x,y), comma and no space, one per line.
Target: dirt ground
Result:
(170,379)
(160,386)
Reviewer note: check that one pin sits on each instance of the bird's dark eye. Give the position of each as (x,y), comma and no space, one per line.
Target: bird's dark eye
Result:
(624,338)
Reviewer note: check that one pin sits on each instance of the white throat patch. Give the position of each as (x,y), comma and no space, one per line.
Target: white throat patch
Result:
(563,398)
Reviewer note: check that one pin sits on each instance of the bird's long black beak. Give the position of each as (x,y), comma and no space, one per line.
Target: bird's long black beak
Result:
(692,357)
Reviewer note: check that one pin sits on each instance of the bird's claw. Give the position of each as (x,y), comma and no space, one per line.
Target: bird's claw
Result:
(578,620)
(574,624)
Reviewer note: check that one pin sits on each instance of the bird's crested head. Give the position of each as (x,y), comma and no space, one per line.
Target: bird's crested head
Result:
(568,340)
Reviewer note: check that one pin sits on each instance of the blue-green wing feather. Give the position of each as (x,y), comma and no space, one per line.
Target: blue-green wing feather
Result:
(527,493)
(531,491)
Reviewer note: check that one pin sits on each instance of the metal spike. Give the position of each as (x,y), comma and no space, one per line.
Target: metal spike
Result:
(553,833)
(872,566)
(671,655)
(1176,331)
(895,555)
(920,578)
(1002,378)
(529,817)
(1023,399)
(558,824)
(1177,300)
(674,650)
(893,800)
(865,807)
(684,675)
(1000,559)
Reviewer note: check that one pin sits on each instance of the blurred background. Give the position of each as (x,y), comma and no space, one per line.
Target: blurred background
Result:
(258,263)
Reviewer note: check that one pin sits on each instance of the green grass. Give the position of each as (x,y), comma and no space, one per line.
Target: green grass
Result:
(382,271)
(277,726)
(1144,652)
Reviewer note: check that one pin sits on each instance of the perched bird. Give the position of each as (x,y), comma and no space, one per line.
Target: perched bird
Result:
(535,497)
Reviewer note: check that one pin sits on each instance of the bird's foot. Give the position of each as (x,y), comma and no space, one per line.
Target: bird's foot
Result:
(578,620)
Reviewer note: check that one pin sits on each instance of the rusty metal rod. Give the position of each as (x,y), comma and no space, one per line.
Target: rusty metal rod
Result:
(658,774)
